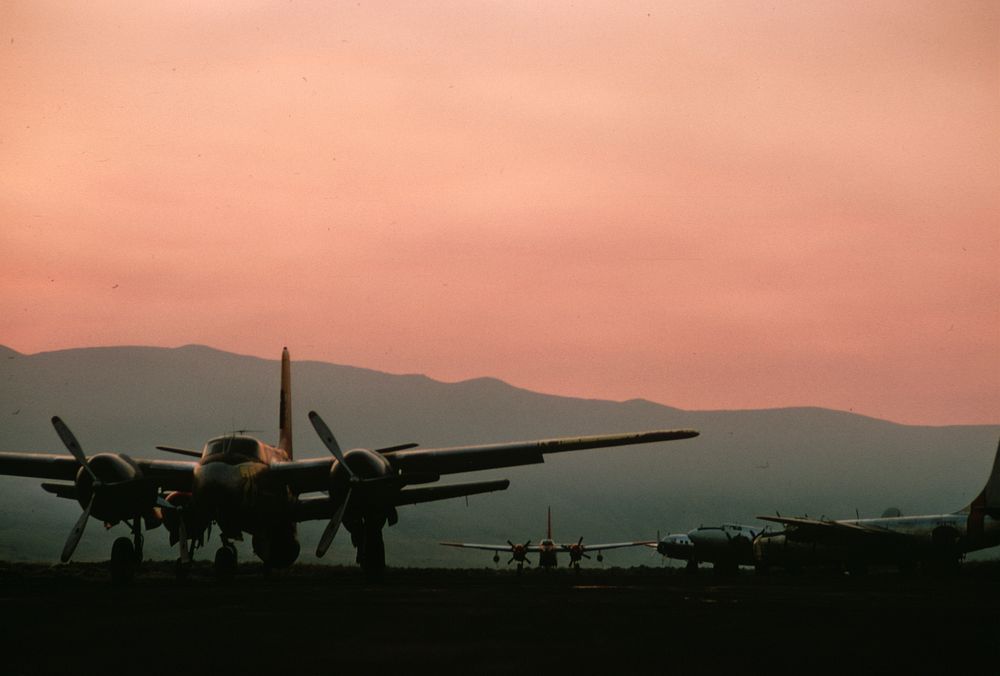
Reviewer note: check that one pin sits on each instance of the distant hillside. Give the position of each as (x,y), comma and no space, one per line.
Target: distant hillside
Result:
(796,460)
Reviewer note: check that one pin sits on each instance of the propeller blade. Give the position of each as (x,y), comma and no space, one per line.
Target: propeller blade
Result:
(511,561)
(580,541)
(527,544)
(331,528)
(512,545)
(70,442)
(74,535)
(326,436)
(585,555)
(527,560)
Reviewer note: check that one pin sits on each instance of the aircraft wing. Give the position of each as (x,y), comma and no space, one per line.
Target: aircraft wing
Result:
(321,507)
(413,496)
(168,474)
(489,548)
(613,545)
(492,548)
(39,465)
(820,529)
(473,458)
(304,476)
(173,475)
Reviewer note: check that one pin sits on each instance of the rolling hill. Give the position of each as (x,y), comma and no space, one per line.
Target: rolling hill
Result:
(795,460)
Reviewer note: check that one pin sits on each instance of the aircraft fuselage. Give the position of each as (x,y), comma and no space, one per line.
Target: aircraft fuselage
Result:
(231,487)
(905,540)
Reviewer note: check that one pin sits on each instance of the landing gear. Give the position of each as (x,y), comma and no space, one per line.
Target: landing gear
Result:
(122,561)
(372,553)
(496,559)
(126,555)
(225,561)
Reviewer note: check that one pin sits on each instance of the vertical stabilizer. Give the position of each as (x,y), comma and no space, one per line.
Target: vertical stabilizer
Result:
(548,530)
(989,498)
(285,406)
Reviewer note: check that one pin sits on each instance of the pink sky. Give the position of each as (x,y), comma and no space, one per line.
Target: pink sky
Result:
(709,205)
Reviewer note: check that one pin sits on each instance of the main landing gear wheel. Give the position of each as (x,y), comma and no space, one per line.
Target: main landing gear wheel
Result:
(225,562)
(123,561)
(373,554)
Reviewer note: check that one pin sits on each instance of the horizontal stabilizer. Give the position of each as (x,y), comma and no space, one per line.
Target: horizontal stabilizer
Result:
(180,451)
(392,449)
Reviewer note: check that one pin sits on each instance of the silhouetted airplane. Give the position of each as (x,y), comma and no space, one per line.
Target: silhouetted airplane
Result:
(726,547)
(940,540)
(247,486)
(546,549)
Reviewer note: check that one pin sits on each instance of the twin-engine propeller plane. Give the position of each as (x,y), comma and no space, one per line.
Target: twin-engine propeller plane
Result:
(246,486)
(546,549)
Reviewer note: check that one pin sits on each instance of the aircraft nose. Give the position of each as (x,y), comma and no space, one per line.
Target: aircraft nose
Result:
(218,485)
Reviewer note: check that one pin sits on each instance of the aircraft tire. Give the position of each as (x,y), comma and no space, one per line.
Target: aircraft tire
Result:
(122,561)
(373,558)
(225,563)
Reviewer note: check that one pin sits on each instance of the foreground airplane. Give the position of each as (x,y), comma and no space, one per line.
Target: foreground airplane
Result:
(940,540)
(246,486)
(546,549)
(726,547)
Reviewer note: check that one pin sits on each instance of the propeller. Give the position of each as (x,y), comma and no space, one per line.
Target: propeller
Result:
(519,552)
(74,535)
(330,441)
(70,442)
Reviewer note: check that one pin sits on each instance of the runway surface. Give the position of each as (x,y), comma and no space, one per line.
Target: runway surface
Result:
(317,619)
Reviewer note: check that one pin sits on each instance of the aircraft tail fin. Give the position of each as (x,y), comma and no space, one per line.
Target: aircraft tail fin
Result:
(285,405)
(989,498)
(548,530)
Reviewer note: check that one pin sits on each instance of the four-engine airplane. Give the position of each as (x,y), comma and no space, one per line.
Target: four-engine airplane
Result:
(940,540)
(726,547)
(546,549)
(247,486)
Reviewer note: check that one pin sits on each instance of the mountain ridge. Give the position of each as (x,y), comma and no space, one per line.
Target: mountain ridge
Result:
(746,462)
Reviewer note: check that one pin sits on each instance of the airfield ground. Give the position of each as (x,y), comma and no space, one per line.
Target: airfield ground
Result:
(316,619)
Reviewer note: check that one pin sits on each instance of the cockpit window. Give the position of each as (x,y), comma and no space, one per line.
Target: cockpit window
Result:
(245,446)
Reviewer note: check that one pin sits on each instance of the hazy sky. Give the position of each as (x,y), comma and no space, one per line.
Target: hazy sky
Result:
(710,205)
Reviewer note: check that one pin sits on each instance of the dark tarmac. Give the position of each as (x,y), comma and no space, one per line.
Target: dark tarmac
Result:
(317,619)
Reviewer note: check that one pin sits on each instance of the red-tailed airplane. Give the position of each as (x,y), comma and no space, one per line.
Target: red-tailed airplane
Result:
(246,486)
(546,549)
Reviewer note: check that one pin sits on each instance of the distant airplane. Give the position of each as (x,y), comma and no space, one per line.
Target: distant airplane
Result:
(940,540)
(726,547)
(546,549)
(247,486)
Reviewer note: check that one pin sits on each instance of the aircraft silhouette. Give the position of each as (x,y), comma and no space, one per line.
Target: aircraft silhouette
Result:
(726,547)
(939,540)
(546,549)
(248,487)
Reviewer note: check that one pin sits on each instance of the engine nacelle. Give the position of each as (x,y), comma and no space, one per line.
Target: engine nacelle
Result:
(365,464)
(123,492)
